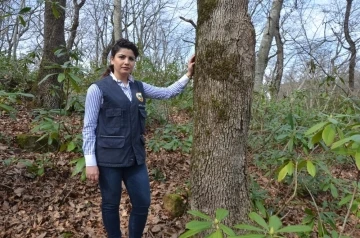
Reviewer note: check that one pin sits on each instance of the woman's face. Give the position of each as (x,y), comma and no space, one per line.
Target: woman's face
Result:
(124,62)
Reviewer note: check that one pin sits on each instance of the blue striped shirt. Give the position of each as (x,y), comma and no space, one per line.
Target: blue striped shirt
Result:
(94,100)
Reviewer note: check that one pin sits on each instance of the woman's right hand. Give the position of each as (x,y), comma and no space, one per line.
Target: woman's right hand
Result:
(92,173)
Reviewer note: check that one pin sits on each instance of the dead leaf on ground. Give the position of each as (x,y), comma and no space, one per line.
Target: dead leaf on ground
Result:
(3,147)
(19,191)
(156,228)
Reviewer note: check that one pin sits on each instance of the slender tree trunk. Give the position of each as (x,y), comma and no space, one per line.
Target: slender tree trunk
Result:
(49,93)
(75,24)
(17,33)
(16,36)
(224,78)
(106,46)
(126,20)
(279,68)
(352,46)
(106,51)
(97,52)
(117,20)
(265,45)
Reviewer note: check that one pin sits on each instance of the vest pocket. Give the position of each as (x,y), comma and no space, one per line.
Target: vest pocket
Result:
(111,141)
(114,117)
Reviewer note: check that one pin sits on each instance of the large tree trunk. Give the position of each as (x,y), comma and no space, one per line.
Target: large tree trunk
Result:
(265,45)
(352,46)
(224,78)
(49,93)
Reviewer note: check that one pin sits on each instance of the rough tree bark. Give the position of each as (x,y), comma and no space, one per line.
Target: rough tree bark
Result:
(265,45)
(224,78)
(352,46)
(49,93)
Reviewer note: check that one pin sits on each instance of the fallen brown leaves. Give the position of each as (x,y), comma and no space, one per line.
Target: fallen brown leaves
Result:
(59,205)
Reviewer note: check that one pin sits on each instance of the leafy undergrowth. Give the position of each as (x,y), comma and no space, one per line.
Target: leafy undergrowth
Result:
(57,204)
(296,210)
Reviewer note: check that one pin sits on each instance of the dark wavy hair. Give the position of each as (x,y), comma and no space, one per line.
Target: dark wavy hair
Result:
(121,44)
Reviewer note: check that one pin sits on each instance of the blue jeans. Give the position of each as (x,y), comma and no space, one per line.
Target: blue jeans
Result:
(136,180)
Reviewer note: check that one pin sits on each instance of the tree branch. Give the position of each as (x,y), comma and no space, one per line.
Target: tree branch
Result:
(190,21)
(188,41)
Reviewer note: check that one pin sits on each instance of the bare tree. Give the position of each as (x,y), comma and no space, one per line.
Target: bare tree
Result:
(75,23)
(224,79)
(98,39)
(16,34)
(321,50)
(265,45)
(16,24)
(352,46)
(97,29)
(279,66)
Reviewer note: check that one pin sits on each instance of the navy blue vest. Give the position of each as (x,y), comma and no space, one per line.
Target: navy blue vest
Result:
(120,129)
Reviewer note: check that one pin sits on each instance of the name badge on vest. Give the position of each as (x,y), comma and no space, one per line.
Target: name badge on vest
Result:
(140,97)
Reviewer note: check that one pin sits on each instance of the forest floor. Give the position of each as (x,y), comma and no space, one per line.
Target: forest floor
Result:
(57,204)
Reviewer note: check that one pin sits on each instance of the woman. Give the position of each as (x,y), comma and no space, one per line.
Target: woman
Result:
(114,145)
